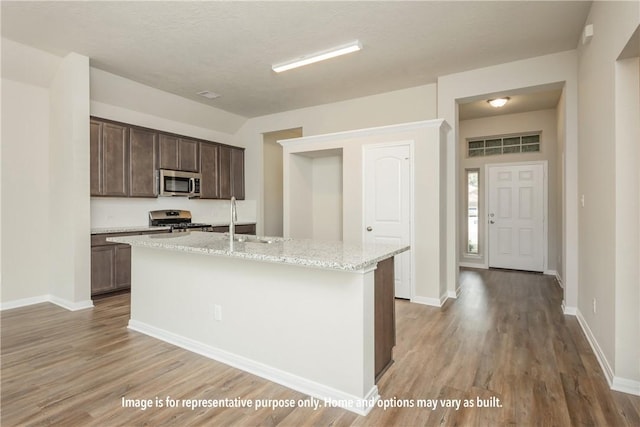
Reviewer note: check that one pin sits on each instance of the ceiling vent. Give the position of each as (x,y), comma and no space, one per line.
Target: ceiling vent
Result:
(208,94)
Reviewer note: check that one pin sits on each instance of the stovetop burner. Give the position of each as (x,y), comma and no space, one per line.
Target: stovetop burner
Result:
(176,219)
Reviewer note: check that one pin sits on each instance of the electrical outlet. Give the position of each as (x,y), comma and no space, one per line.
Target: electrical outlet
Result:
(217,312)
(594,305)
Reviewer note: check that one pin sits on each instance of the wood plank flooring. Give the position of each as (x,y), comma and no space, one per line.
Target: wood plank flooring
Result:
(504,338)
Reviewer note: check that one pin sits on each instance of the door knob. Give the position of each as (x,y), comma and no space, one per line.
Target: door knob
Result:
(369,228)
(491,221)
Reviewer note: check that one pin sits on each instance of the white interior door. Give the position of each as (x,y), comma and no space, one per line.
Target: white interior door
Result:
(387,205)
(516,217)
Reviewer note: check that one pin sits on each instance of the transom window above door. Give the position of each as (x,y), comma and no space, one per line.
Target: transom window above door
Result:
(490,146)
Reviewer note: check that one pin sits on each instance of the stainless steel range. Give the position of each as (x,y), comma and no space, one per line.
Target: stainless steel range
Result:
(178,220)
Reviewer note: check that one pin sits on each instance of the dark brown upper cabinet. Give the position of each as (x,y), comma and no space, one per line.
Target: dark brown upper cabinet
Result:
(109,150)
(237,173)
(125,160)
(231,172)
(143,155)
(179,153)
(209,168)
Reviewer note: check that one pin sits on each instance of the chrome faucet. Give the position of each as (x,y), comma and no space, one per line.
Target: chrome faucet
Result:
(233,220)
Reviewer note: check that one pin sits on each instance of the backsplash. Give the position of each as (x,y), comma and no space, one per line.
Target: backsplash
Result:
(124,212)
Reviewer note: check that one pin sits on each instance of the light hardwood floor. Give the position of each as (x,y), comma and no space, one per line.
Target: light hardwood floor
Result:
(503,338)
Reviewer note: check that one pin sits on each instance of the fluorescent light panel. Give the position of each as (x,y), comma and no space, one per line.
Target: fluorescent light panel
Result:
(319,56)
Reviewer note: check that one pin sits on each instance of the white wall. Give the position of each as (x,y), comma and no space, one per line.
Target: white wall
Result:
(69,208)
(107,212)
(429,194)
(539,72)
(608,169)
(560,186)
(272,180)
(25,191)
(327,197)
(543,120)
(402,106)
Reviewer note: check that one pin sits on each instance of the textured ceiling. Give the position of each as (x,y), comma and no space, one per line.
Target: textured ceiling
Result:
(518,103)
(229,47)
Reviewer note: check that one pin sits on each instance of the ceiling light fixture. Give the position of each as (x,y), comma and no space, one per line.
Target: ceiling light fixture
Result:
(354,46)
(498,102)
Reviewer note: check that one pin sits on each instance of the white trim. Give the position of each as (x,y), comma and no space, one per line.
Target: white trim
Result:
(381,130)
(434,302)
(472,265)
(412,243)
(454,294)
(626,385)
(569,310)
(550,273)
(68,305)
(23,302)
(602,359)
(360,406)
(545,206)
(559,280)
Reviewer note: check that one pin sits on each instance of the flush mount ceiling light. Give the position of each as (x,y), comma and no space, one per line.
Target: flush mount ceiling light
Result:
(498,102)
(208,94)
(354,46)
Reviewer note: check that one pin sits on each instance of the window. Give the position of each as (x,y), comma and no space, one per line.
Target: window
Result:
(523,143)
(473,177)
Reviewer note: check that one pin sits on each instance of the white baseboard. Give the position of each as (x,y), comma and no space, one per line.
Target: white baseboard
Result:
(550,273)
(360,406)
(626,385)
(559,280)
(434,302)
(454,294)
(602,360)
(69,305)
(569,310)
(23,302)
(472,265)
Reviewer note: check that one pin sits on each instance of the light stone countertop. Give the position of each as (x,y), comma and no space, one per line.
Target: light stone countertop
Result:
(304,252)
(142,228)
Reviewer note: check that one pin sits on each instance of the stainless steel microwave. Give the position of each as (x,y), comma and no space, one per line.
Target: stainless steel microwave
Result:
(179,183)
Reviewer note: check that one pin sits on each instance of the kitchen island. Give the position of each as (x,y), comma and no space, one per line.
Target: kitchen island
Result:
(314,316)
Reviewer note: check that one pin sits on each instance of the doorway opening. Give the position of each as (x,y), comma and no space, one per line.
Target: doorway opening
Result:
(272,180)
(528,129)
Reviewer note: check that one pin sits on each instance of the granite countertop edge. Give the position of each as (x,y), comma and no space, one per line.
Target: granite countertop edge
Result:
(243,251)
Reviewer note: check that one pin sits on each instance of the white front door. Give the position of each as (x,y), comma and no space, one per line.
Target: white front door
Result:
(516,216)
(387,205)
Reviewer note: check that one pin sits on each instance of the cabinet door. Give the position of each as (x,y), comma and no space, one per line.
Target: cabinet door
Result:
(168,152)
(95,155)
(237,173)
(188,155)
(143,147)
(225,172)
(114,160)
(209,186)
(122,261)
(102,269)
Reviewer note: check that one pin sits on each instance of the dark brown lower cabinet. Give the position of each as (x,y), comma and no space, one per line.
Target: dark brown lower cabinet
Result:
(385,316)
(111,263)
(240,229)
